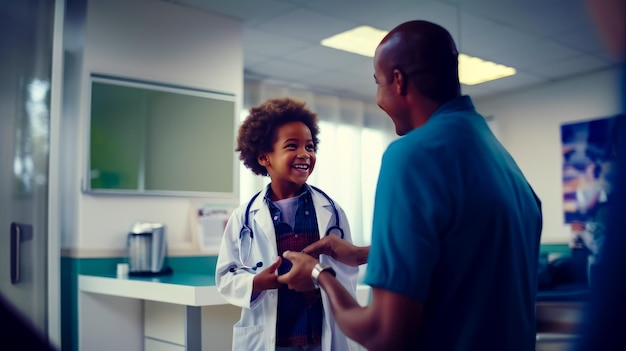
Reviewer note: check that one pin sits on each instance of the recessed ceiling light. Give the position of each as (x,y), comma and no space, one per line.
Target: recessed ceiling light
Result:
(474,70)
(363,40)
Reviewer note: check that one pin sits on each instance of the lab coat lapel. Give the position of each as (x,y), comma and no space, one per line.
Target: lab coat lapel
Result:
(262,221)
(323,211)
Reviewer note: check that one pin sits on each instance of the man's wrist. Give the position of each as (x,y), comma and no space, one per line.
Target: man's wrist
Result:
(318,269)
(362,255)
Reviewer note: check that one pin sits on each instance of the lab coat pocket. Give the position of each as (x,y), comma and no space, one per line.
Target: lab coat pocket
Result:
(249,338)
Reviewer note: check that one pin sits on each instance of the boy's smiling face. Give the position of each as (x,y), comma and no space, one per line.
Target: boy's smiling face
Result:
(291,161)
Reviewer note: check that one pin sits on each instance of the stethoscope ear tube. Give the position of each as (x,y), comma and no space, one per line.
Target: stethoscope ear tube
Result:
(332,203)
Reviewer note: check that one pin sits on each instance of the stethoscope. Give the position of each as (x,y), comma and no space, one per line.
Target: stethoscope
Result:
(246,232)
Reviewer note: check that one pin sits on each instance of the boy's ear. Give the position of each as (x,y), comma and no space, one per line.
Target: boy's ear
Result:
(263,159)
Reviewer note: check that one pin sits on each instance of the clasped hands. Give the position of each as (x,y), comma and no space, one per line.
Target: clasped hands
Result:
(299,277)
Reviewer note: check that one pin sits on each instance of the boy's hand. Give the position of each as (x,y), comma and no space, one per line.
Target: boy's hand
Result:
(267,278)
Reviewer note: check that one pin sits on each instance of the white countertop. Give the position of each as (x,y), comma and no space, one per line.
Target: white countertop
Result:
(178,288)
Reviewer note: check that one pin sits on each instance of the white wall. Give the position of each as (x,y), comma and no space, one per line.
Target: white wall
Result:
(140,39)
(529,127)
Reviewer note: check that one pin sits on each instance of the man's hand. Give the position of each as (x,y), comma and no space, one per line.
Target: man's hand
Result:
(267,279)
(339,249)
(299,277)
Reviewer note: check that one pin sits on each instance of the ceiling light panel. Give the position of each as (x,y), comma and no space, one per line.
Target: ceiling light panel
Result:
(363,40)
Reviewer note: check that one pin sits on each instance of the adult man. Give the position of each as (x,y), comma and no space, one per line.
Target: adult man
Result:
(456,227)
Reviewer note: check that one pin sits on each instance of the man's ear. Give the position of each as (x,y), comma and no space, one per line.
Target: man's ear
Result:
(399,80)
(263,159)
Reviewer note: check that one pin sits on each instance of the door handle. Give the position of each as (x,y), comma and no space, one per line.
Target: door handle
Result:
(19,233)
(15,253)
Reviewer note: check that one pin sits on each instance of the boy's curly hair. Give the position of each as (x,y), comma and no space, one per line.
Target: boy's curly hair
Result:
(257,133)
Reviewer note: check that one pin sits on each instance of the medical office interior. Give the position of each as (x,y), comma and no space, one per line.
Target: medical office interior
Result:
(230,56)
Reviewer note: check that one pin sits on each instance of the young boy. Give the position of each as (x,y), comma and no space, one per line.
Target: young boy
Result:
(279,139)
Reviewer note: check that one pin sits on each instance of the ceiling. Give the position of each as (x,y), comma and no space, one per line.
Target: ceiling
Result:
(545,40)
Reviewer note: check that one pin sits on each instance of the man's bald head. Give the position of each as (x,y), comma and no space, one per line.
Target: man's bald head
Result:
(426,55)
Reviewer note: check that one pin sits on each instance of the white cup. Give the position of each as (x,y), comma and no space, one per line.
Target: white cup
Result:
(122,270)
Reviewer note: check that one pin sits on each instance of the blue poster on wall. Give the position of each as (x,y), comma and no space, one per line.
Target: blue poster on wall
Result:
(587,167)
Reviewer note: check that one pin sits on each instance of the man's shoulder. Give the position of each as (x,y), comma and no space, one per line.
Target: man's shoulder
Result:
(434,134)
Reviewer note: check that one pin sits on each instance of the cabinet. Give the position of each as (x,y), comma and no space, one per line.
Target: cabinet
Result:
(176,312)
(172,327)
(164,326)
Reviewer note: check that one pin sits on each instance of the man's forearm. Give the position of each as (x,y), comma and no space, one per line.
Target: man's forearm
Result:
(352,318)
(362,253)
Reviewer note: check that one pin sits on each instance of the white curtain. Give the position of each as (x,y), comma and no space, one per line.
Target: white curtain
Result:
(353,136)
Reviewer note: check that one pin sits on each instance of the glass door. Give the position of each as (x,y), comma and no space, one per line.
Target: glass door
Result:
(26,34)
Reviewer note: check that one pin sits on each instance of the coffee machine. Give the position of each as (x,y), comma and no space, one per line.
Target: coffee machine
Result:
(146,245)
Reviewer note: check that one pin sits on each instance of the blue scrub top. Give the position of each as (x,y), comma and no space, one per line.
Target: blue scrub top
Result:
(457,227)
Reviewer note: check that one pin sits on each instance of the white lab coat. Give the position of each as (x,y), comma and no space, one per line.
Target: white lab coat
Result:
(256,330)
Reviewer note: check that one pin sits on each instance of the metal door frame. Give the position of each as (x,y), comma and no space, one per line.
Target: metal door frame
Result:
(54,213)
